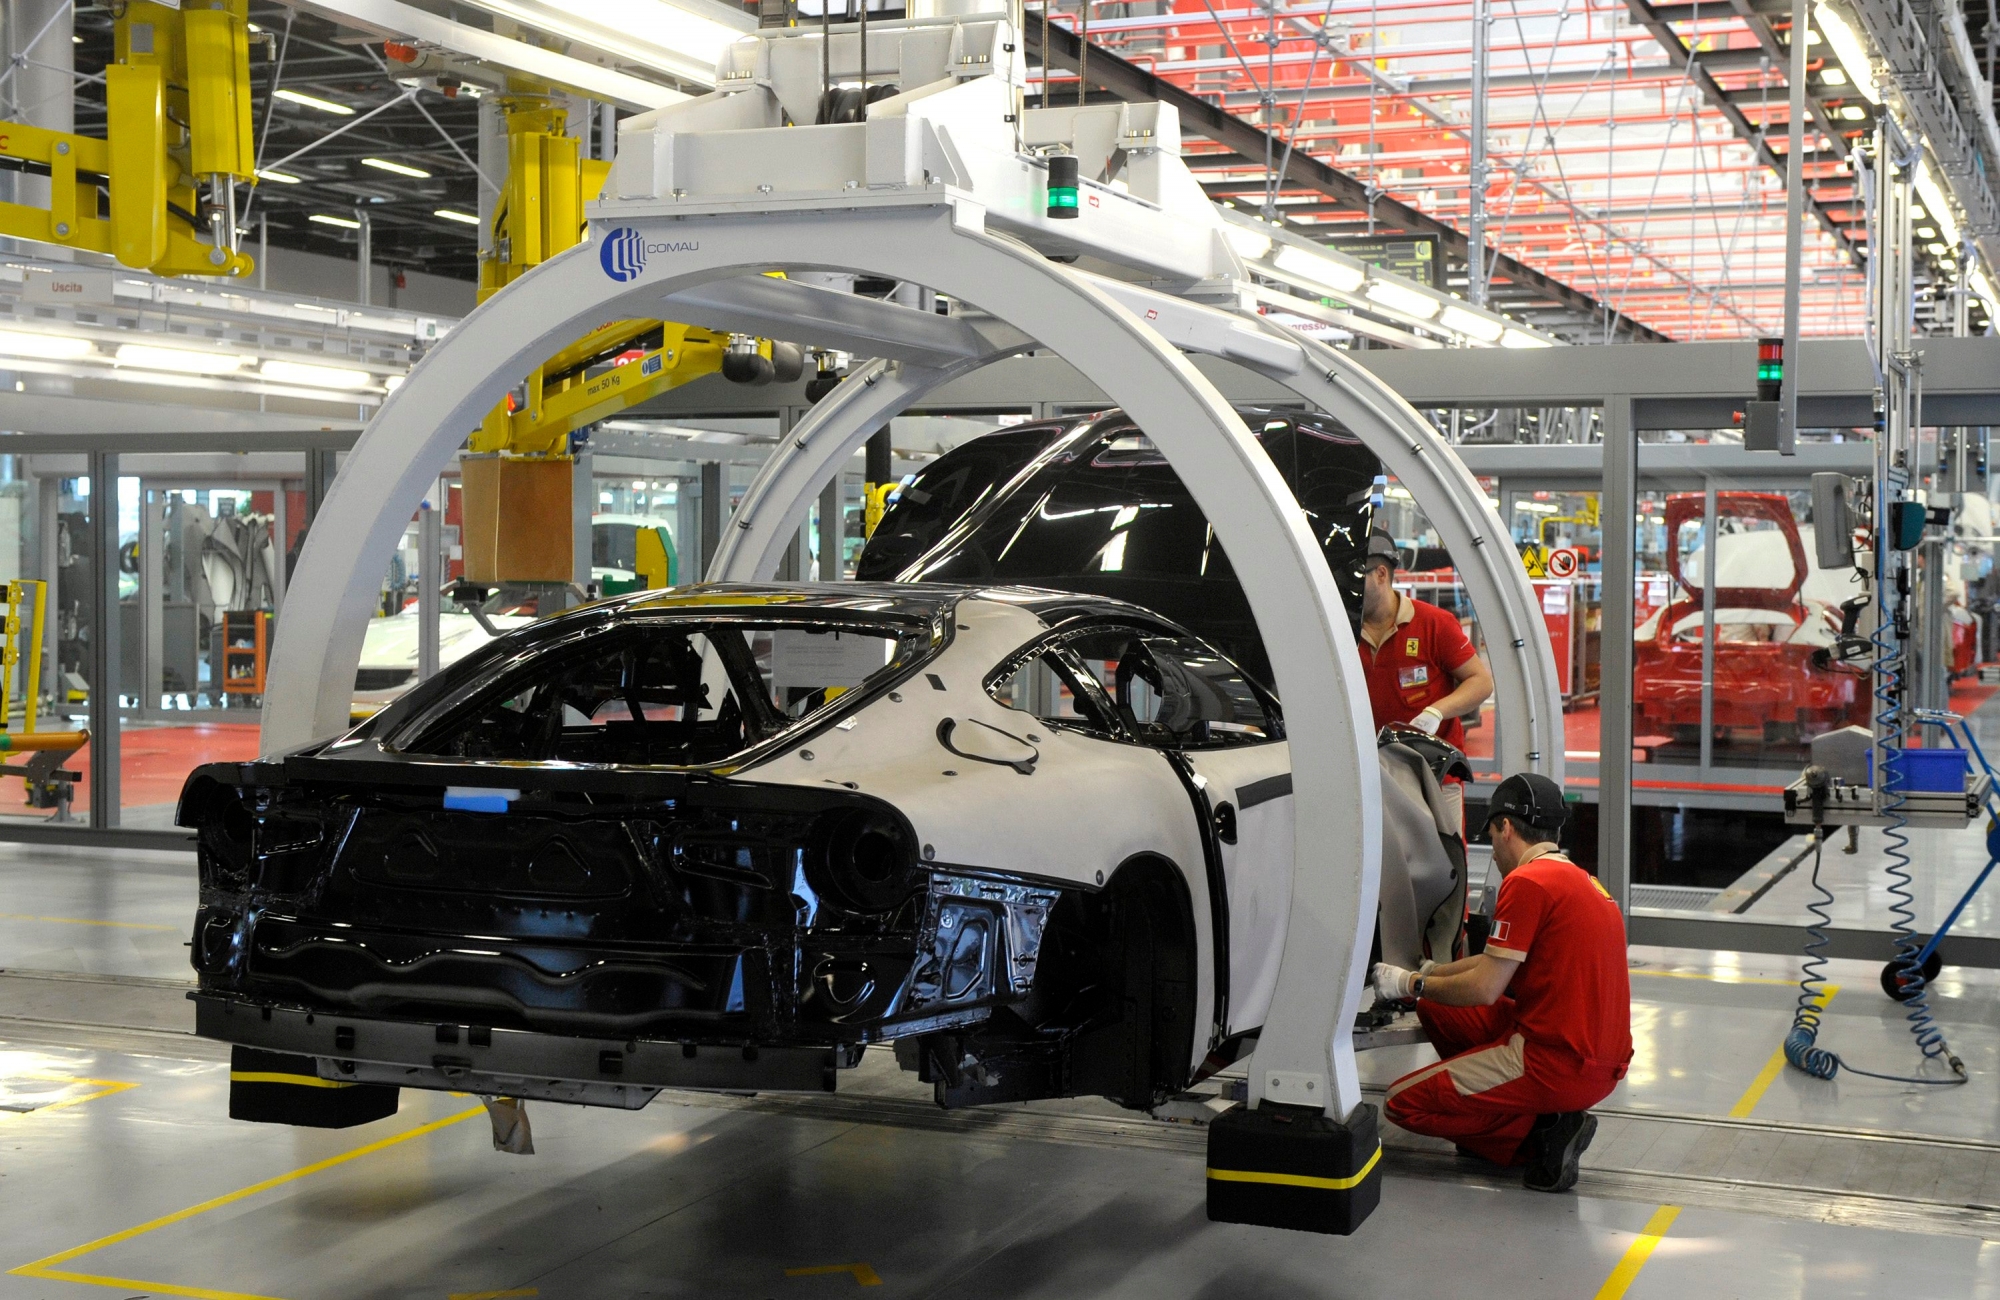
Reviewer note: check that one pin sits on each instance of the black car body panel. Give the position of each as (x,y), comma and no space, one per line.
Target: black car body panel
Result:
(1089,505)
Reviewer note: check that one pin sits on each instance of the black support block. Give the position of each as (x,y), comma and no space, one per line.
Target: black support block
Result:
(1292,1167)
(279,1088)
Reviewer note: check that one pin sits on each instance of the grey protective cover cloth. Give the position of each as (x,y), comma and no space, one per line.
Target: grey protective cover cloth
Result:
(1423,889)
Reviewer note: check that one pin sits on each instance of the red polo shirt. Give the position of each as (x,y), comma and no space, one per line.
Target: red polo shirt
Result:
(1413,665)
(1573,990)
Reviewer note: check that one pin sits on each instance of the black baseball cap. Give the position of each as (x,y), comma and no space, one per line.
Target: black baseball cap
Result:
(1382,547)
(1530,798)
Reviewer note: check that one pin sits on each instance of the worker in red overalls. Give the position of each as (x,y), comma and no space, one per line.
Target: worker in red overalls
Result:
(1538,1028)
(1422,670)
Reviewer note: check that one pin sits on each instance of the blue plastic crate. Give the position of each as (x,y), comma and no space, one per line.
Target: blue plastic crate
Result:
(1933,770)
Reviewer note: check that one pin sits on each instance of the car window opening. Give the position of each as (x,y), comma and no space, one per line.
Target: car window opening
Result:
(668,694)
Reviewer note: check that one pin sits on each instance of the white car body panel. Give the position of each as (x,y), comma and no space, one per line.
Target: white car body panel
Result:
(1089,805)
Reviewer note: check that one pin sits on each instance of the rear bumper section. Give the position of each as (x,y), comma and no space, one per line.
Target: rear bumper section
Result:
(622,1073)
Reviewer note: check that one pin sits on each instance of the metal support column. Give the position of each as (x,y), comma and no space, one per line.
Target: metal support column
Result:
(364,257)
(583,504)
(832,531)
(1475,227)
(105,645)
(1709,551)
(320,469)
(151,605)
(1795,208)
(430,577)
(1614,746)
(714,503)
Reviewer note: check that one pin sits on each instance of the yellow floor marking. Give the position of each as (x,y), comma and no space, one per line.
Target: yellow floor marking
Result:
(493,1295)
(105,1088)
(1638,1253)
(45,1267)
(863,1274)
(1719,979)
(1773,1067)
(79,920)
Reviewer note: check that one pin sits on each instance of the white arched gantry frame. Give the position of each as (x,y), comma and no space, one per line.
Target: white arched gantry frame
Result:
(1527,696)
(1306,1039)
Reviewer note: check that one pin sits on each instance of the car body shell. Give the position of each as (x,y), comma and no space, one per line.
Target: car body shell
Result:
(356,899)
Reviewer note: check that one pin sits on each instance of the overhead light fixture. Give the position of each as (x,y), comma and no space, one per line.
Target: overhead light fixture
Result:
(399,169)
(630,28)
(393,382)
(145,356)
(1472,324)
(1853,113)
(1523,339)
(44,347)
(1408,301)
(313,101)
(1833,76)
(310,376)
(1936,250)
(1937,202)
(1248,243)
(345,223)
(468,218)
(1319,271)
(1926,232)
(282,178)
(1849,49)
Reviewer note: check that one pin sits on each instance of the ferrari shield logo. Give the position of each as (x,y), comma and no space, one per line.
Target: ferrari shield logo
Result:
(1411,647)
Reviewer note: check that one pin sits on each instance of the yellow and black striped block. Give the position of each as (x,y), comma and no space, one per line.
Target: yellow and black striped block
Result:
(1293,1167)
(278,1088)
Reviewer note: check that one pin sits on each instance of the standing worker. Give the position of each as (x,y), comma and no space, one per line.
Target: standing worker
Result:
(1538,1028)
(1422,670)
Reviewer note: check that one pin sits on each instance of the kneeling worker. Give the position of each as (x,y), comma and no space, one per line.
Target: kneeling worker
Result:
(1538,1028)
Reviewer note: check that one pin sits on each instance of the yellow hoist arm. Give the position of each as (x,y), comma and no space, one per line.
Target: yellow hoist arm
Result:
(178,139)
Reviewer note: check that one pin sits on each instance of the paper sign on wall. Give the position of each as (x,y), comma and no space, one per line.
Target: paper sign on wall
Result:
(86,286)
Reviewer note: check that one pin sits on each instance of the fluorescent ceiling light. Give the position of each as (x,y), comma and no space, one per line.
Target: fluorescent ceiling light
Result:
(1408,301)
(1853,113)
(1523,339)
(45,347)
(1320,271)
(298,372)
(1472,324)
(393,382)
(1849,49)
(1926,232)
(384,165)
(1982,288)
(313,101)
(1833,76)
(469,218)
(1247,243)
(282,178)
(345,223)
(145,356)
(1936,202)
(628,27)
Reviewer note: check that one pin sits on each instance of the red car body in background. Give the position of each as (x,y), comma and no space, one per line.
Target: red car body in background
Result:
(1764,675)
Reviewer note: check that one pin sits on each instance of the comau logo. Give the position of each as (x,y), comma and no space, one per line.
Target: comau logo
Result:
(625,249)
(623,254)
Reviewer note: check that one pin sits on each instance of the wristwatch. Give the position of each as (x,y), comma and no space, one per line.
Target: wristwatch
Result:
(1417,987)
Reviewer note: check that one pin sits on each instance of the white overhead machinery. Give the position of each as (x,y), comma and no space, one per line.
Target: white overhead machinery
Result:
(944,185)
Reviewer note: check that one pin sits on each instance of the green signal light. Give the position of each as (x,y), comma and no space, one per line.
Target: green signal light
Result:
(1063,184)
(1771,371)
(1062,198)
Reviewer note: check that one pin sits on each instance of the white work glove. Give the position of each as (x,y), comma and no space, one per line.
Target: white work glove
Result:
(1428,722)
(1393,982)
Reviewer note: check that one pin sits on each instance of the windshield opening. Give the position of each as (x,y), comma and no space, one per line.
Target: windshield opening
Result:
(667,693)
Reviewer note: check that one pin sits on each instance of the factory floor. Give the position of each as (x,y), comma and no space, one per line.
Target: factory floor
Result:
(1717,1172)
